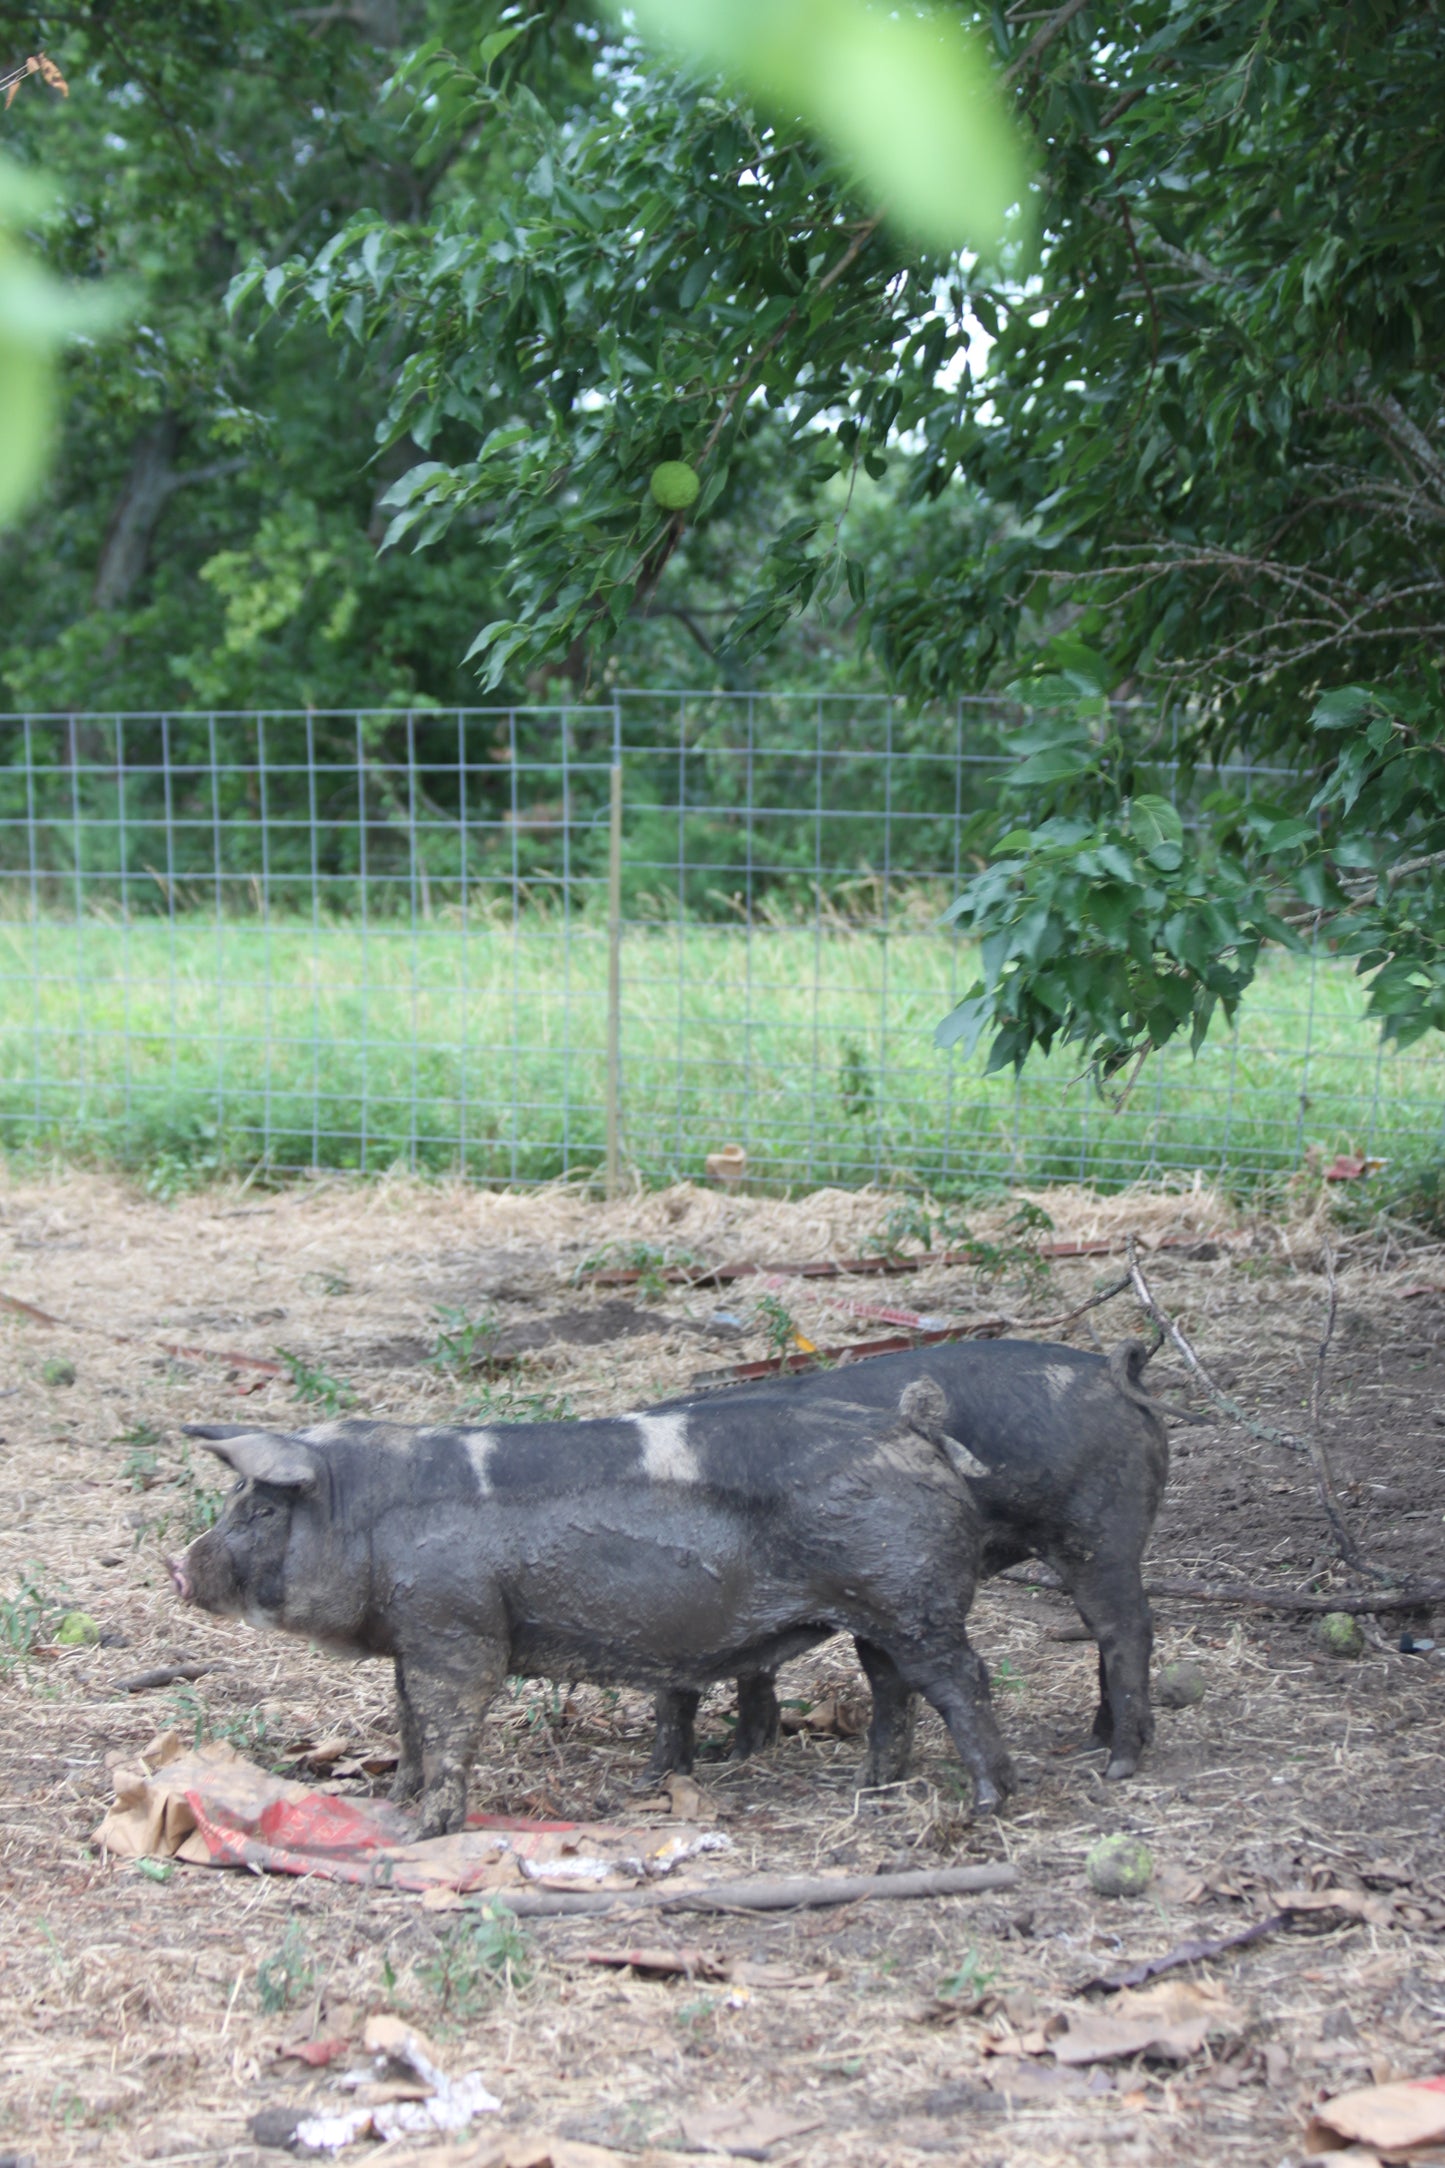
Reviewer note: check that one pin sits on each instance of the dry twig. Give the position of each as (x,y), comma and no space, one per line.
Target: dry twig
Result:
(770,1893)
(1311,1447)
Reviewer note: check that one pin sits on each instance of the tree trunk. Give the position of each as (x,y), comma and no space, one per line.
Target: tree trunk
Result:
(127,547)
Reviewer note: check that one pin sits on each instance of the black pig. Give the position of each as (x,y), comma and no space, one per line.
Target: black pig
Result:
(1075,1460)
(665,1550)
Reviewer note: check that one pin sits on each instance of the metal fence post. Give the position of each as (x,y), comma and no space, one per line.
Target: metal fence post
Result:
(614,964)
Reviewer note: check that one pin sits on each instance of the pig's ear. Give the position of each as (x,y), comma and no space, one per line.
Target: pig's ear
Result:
(266,1456)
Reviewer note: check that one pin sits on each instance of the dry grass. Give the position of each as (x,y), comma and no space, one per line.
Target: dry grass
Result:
(133,2026)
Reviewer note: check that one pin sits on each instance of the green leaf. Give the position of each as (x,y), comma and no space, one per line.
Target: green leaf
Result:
(906,98)
(1342,709)
(1054,765)
(964,1026)
(496,43)
(1158,831)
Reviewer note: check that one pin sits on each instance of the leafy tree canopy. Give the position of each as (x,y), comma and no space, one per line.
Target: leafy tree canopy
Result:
(1173,466)
(1202,466)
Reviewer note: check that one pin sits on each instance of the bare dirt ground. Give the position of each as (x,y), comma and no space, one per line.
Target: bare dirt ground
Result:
(133,2023)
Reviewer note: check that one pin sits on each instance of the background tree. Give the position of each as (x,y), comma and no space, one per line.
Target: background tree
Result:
(1208,434)
(1193,504)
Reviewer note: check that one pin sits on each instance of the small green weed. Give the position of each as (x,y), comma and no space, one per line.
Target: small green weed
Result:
(24,1620)
(777,1324)
(326,1283)
(507,1404)
(248,1730)
(310,1383)
(1005,1678)
(287,1974)
(856,1090)
(1017,1251)
(908,1222)
(463,1343)
(476,1958)
(194,1505)
(968,1980)
(141,1470)
(650,1263)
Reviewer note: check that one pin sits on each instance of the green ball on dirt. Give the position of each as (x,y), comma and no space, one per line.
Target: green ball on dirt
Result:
(77,1630)
(56,1372)
(1119,1867)
(1339,1634)
(1181,1686)
(675,486)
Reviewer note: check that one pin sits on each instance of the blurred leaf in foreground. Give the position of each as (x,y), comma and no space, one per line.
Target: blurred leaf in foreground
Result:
(906,98)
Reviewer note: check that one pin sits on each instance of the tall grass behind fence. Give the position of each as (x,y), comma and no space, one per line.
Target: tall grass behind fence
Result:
(347,940)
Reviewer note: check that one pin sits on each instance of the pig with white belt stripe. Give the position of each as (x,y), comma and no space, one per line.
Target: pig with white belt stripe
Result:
(664,1550)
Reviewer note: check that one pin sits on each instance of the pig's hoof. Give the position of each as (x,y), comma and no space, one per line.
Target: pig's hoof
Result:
(404,1787)
(657,1773)
(987,1798)
(1121,1765)
(439,1822)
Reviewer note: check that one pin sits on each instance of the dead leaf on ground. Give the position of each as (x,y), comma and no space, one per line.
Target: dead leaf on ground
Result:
(744,2130)
(315,2053)
(1396,2120)
(836,1716)
(688,1801)
(691,1963)
(1375,1908)
(1170,2022)
(529,2149)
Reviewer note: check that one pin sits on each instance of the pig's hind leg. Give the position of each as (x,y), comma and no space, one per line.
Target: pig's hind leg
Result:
(890,1734)
(956,1684)
(1112,1603)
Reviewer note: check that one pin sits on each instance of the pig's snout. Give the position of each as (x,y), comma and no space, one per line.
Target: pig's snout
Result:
(181,1580)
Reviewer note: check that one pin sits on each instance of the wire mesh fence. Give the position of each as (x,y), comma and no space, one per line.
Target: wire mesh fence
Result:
(351,940)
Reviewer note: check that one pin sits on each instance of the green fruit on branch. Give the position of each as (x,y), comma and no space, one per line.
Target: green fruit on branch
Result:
(674,485)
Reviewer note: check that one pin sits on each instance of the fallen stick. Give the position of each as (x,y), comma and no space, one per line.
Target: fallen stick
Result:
(163,1675)
(14,1304)
(784,1893)
(1173,1332)
(840,1268)
(1310,1446)
(1408,1595)
(898,1343)
(28,1309)
(852,1351)
(1187,1953)
(222,1355)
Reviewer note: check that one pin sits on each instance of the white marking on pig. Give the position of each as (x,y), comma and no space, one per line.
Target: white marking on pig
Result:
(1058,1377)
(479,1444)
(666,1455)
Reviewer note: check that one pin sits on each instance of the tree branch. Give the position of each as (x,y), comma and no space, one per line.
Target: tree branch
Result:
(1043,39)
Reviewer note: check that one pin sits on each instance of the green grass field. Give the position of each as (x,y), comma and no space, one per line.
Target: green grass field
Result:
(194,1046)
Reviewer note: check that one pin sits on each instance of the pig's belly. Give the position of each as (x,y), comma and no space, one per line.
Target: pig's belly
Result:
(689,1601)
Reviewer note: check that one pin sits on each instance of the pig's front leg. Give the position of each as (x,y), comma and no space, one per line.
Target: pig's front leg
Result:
(675,1711)
(410,1772)
(447,1698)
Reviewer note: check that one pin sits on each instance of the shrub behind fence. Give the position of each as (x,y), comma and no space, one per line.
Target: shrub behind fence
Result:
(344,940)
